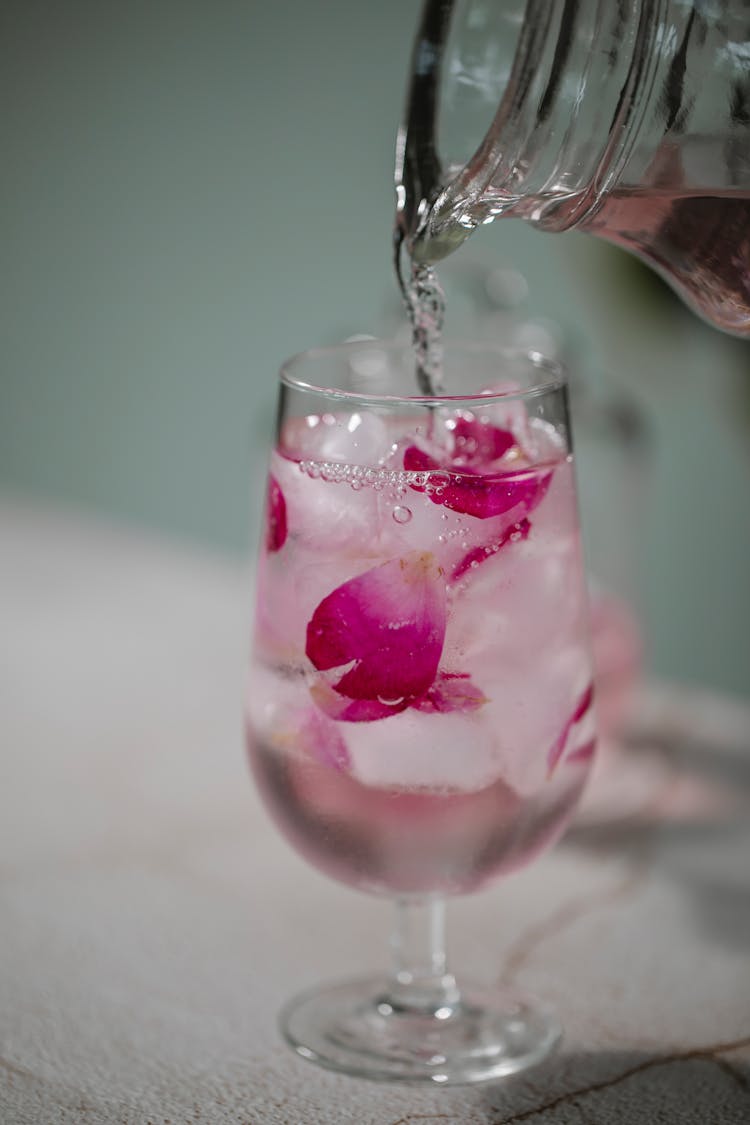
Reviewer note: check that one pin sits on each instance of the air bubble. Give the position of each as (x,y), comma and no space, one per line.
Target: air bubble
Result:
(401,514)
(436,482)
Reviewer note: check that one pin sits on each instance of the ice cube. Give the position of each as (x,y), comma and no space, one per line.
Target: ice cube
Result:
(414,749)
(327,515)
(529,705)
(359,438)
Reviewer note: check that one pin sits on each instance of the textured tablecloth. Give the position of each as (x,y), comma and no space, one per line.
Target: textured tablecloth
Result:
(152,921)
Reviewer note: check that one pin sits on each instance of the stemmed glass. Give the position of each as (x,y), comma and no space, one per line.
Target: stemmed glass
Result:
(419,711)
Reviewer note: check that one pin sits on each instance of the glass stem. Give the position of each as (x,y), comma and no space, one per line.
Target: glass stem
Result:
(420,982)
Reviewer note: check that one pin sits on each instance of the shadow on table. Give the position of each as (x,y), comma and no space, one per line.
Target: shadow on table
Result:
(695,829)
(705,1087)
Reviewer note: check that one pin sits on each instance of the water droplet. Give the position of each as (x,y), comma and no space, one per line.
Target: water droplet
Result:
(356,484)
(390,702)
(401,514)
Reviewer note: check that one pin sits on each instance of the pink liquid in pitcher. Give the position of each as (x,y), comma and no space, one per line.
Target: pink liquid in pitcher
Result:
(700,243)
(419,712)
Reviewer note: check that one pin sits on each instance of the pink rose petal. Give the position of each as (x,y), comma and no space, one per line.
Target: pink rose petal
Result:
(389,624)
(581,708)
(345,710)
(583,705)
(482,495)
(276,529)
(452,691)
(477,444)
(323,741)
(477,555)
(582,753)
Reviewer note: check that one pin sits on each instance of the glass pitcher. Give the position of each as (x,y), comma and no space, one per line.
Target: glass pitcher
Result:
(629,119)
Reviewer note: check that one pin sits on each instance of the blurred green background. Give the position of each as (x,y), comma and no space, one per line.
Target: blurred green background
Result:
(193,190)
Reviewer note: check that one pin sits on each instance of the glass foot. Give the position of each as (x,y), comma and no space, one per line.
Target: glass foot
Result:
(354,1027)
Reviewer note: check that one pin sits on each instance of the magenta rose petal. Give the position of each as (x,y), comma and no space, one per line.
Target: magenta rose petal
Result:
(417,461)
(345,710)
(582,753)
(452,691)
(584,704)
(581,709)
(477,555)
(276,527)
(473,493)
(556,750)
(477,443)
(489,496)
(388,624)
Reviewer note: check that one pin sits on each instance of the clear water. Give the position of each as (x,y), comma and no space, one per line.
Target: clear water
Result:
(425,305)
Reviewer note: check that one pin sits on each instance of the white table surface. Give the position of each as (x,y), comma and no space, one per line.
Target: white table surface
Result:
(152,921)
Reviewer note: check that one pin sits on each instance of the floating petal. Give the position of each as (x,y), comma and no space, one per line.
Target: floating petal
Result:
(276,528)
(478,444)
(452,691)
(477,555)
(323,741)
(389,625)
(472,493)
(582,753)
(345,710)
(581,708)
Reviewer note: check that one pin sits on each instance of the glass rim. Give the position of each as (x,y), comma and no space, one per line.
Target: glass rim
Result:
(556,374)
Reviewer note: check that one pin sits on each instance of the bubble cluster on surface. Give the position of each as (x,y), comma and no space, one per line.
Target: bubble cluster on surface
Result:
(359,476)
